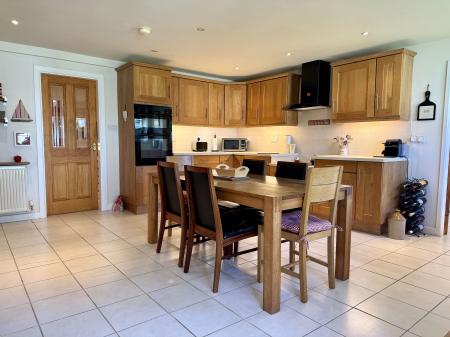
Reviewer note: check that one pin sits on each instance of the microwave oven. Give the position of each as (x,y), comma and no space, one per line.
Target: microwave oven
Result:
(234,144)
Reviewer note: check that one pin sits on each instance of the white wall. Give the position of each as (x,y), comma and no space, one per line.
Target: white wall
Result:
(429,68)
(17,64)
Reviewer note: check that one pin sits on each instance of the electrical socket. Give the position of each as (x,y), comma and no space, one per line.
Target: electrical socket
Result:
(417,139)
(274,139)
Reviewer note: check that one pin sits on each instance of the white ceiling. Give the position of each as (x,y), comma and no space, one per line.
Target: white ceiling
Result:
(252,34)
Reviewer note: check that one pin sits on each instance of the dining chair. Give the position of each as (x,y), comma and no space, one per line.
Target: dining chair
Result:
(322,185)
(255,166)
(224,225)
(291,170)
(173,205)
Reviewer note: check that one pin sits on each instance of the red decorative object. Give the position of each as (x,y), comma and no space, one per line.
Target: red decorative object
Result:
(17,159)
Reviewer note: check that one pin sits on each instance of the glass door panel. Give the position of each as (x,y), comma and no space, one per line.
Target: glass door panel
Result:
(58,115)
(81,118)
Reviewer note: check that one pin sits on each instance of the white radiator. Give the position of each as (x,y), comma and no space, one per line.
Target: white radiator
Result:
(13,189)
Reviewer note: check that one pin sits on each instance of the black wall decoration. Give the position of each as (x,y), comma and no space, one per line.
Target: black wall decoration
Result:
(426,110)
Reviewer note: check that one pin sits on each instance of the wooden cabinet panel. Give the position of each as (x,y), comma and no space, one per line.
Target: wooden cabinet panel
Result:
(151,85)
(354,90)
(388,85)
(235,104)
(193,102)
(228,160)
(368,196)
(206,161)
(348,166)
(273,100)
(253,103)
(216,104)
(175,87)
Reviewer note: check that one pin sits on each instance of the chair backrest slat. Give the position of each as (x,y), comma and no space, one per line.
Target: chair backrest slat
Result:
(291,170)
(202,199)
(170,188)
(322,185)
(255,166)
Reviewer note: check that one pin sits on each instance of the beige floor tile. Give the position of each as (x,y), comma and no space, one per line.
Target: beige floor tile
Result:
(419,253)
(436,270)
(285,323)
(404,260)
(355,323)
(444,260)
(240,329)
(130,312)
(178,296)
(245,301)
(124,255)
(319,308)
(111,246)
(31,332)
(369,280)
(37,260)
(226,284)
(62,306)
(413,295)
(7,266)
(12,297)
(87,263)
(432,326)
(95,277)
(196,270)
(162,326)
(32,250)
(89,323)
(387,244)
(429,282)
(113,292)
(346,292)
(43,272)
(16,319)
(11,279)
(156,280)
(392,311)
(323,331)
(443,309)
(205,317)
(369,251)
(387,269)
(437,247)
(138,267)
(53,287)
(5,254)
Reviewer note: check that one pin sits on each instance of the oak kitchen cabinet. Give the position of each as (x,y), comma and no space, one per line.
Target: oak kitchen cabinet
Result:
(216,104)
(373,87)
(193,100)
(235,104)
(268,99)
(375,190)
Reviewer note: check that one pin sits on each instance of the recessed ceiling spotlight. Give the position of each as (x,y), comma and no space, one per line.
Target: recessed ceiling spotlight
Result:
(236,68)
(200,29)
(14,22)
(145,30)
(365,34)
(288,53)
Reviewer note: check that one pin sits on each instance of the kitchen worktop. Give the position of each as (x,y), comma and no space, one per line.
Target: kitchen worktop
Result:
(359,158)
(237,153)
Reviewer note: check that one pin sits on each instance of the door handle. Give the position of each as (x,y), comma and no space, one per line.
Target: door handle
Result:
(93,146)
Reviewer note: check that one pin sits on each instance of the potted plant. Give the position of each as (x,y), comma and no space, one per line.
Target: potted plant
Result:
(343,144)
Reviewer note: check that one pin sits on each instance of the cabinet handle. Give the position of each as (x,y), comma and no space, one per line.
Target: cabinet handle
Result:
(168,89)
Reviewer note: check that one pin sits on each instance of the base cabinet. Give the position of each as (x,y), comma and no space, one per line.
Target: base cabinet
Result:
(376,187)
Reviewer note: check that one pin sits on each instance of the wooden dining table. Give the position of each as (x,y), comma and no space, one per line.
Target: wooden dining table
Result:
(272,195)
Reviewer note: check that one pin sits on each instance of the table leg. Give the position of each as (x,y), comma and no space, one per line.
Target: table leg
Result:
(152,220)
(343,238)
(272,255)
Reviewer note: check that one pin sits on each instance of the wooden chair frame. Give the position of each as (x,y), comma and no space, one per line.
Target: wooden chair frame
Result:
(216,235)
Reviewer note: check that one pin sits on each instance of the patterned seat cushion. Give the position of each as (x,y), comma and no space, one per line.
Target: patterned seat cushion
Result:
(291,221)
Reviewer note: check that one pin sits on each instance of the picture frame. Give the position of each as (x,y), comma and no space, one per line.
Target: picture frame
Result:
(426,111)
(22,139)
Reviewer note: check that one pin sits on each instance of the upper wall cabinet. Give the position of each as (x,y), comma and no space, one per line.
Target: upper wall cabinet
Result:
(193,102)
(373,87)
(269,98)
(235,104)
(216,104)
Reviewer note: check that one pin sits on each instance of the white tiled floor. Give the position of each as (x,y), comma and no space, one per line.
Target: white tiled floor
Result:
(93,274)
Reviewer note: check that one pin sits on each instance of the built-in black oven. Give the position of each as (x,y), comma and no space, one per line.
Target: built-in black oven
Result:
(153,133)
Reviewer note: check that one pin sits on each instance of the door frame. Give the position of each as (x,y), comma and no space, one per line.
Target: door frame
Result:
(101,129)
(444,158)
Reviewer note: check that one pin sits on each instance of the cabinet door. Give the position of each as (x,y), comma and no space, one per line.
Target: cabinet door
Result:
(354,90)
(274,98)
(235,104)
(175,83)
(388,86)
(253,100)
(368,196)
(193,102)
(216,104)
(206,161)
(228,160)
(151,85)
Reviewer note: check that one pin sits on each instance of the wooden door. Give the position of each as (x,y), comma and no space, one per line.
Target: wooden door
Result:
(235,104)
(354,90)
(273,101)
(151,85)
(388,86)
(193,102)
(175,101)
(216,104)
(253,101)
(70,139)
